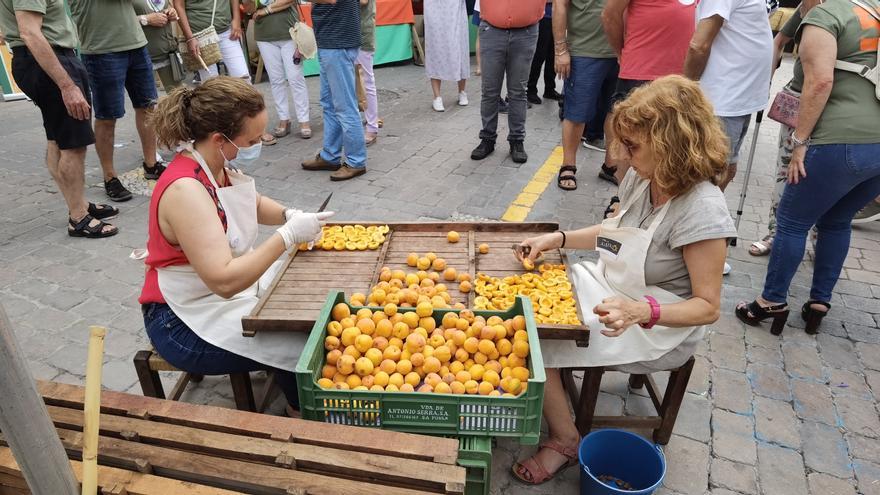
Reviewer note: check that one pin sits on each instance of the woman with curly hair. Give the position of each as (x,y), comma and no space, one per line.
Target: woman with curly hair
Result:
(657,283)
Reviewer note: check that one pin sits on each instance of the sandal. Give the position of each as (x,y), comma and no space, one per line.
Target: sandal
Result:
(281,131)
(812,316)
(762,247)
(607,173)
(571,177)
(268,139)
(610,211)
(753,314)
(83,228)
(102,212)
(305,132)
(532,472)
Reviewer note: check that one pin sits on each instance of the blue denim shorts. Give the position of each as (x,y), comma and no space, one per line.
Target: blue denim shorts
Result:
(583,88)
(112,74)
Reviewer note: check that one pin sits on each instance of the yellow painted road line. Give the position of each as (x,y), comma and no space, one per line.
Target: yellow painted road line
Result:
(520,208)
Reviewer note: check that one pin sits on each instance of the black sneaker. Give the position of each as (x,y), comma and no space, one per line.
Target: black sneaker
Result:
(153,173)
(502,105)
(116,191)
(552,95)
(607,173)
(533,98)
(485,148)
(517,152)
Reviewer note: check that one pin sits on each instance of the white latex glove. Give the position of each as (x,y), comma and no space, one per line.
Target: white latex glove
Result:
(302,227)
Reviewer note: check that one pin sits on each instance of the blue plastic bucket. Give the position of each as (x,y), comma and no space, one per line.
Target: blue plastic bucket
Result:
(622,455)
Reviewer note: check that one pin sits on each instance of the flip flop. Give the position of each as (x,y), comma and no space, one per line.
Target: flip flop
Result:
(762,247)
(532,472)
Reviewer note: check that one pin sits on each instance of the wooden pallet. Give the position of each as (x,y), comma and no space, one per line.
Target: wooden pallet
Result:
(156,447)
(295,298)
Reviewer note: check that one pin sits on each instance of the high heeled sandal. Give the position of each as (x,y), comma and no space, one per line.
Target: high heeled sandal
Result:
(532,472)
(812,316)
(753,314)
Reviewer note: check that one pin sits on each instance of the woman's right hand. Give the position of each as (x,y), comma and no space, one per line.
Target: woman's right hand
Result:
(302,227)
(157,19)
(562,65)
(541,244)
(193,45)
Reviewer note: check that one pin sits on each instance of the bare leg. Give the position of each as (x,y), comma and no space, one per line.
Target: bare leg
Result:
(461,85)
(571,139)
(611,157)
(435,87)
(105,134)
(148,137)
(559,421)
(67,167)
(731,173)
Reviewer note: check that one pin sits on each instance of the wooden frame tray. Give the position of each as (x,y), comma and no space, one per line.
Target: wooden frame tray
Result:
(295,297)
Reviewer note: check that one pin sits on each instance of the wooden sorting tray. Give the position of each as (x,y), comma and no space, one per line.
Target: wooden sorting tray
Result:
(152,446)
(295,298)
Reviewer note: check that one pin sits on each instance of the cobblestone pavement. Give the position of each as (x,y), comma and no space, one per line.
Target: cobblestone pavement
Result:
(794,414)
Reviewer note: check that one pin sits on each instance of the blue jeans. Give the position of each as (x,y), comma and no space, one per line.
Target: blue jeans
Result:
(112,74)
(342,121)
(583,88)
(181,347)
(841,179)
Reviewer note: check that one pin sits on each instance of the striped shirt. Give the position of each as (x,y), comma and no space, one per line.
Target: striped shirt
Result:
(337,26)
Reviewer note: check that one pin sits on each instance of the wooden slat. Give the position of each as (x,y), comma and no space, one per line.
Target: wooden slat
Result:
(629,422)
(229,474)
(442,450)
(355,465)
(133,482)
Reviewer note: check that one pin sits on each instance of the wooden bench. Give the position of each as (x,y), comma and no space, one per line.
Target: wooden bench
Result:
(667,406)
(148,364)
(149,446)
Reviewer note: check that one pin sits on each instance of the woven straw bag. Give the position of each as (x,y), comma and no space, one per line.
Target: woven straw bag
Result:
(209,47)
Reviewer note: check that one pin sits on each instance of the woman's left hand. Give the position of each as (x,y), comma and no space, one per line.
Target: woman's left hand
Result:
(618,314)
(796,168)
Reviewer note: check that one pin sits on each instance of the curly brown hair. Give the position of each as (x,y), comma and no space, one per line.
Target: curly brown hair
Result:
(219,104)
(674,118)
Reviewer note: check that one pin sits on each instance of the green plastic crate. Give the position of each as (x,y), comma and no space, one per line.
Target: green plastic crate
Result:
(475,455)
(428,414)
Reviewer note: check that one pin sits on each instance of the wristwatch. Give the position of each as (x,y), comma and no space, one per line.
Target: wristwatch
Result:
(143,20)
(797,142)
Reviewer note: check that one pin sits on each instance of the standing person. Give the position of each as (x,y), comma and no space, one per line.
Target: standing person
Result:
(731,54)
(225,16)
(365,65)
(114,51)
(205,269)
(508,36)
(272,24)
(447,47)
(651,40)
(834,169)
(47,70)
(156,17)
(543,57)
(585,60)
(338,33)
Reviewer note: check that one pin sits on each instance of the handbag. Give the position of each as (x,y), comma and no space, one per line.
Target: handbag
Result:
(785,107)
(177,71)
(303,36)
(209,47)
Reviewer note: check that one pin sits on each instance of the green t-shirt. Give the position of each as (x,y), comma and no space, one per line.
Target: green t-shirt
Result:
(368,26)
(586,36)
(792,24)
(107,26)
(852,113)
(275,26)
(160,40)
(57,27)
(198,13)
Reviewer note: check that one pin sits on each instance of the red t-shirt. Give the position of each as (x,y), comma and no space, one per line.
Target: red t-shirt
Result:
(161,252)
(656,40)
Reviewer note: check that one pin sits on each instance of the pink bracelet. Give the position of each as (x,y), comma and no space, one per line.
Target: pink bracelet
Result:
(655,313)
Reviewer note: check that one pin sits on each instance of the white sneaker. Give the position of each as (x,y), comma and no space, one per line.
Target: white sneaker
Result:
(727,269)
(462,99)
(438,105)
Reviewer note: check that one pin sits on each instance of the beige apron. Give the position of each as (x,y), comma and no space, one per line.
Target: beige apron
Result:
(619,272)
(217,320)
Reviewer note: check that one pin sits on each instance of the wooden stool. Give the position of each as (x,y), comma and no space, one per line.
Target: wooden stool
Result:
(148,364)
(584,401)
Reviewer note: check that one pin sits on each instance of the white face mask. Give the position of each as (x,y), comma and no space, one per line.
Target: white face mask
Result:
(246,156)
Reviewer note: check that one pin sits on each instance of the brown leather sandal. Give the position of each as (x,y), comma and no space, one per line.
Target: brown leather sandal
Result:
(532,472)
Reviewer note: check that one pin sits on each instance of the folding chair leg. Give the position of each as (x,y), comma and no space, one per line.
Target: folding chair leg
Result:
(672,399)
(149,379)
(242,391)
(589,396)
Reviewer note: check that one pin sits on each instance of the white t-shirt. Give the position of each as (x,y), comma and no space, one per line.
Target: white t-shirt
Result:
(737,75)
